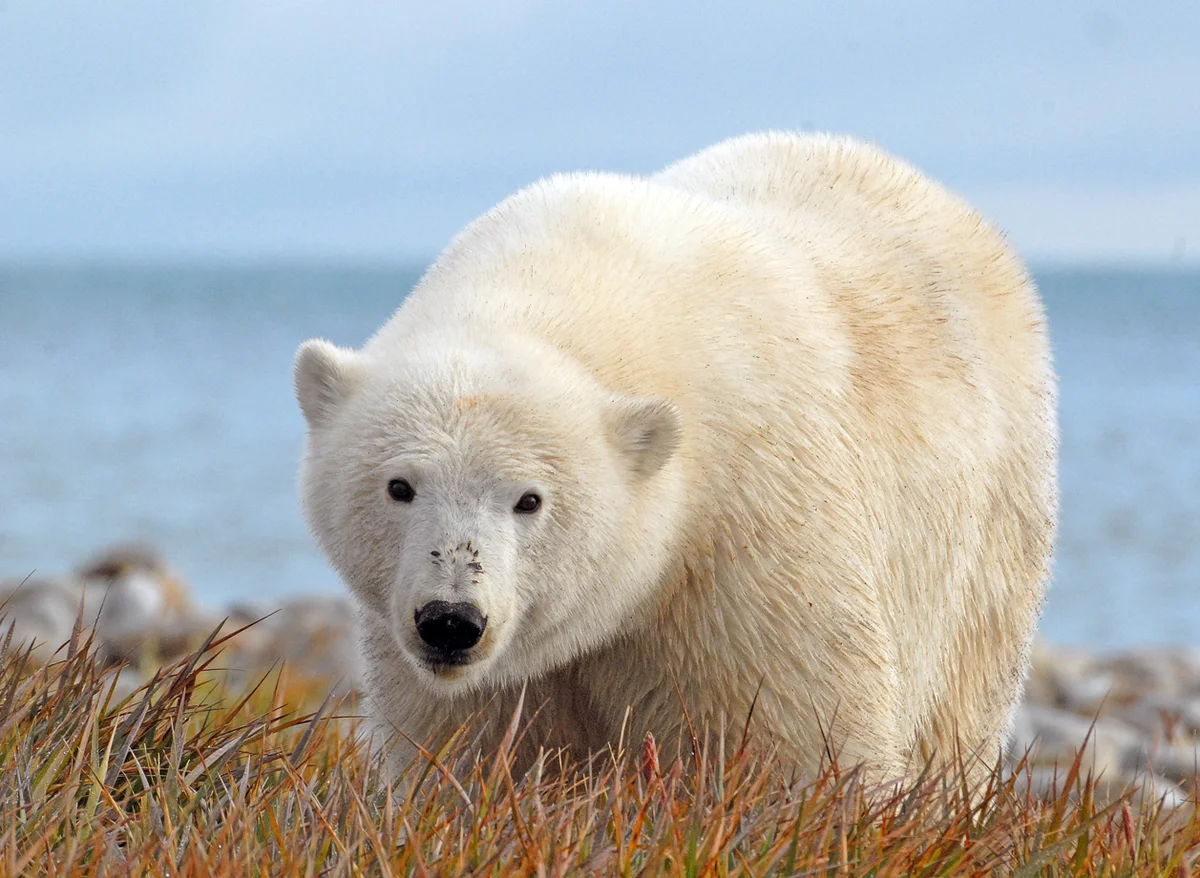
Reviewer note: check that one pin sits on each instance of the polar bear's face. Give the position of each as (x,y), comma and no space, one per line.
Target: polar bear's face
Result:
(493,518)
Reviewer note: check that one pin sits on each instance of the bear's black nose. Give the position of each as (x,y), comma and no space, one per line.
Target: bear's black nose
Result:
(450,627)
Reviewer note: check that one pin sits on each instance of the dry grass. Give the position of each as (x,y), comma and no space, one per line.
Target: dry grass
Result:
(187,778)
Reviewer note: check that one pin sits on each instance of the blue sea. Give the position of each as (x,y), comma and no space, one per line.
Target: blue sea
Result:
(155,403)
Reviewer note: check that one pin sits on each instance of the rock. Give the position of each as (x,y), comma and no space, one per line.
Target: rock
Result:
(1039,781)
(1047,782)
(1090,694)
(1117,752)
(136,597)
(1137,673)
(313,637)
(1155,790)
(127,594)
(1178,762)
(1166,717)
(1061,677)
(1187,662)
(1053,737)
(125,680)
(40,613)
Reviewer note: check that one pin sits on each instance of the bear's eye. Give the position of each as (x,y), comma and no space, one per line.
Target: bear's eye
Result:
(401,491)
(528,503)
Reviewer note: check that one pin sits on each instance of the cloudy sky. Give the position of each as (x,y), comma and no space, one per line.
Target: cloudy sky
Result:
(374,129)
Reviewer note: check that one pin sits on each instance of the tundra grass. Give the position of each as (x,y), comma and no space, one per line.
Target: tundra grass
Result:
(191,776)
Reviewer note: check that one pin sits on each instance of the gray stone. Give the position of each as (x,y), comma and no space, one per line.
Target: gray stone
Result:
(126,595)
(1155,790)
(312,636)
(1053,736)
(1166,717)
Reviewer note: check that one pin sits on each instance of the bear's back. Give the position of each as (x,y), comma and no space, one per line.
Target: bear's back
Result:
(837,195)
(939,312)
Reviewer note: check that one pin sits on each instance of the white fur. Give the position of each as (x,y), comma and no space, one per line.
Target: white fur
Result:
(790,409)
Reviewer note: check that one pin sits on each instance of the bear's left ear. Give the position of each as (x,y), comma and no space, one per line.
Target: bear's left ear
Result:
(646,432)
(325,375)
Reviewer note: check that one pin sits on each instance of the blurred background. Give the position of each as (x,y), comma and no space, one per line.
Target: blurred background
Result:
(188,191)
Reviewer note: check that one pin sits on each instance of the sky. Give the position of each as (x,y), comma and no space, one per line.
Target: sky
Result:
(375,129)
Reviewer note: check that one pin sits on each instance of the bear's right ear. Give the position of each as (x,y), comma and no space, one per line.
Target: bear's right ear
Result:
(647,432)
(325,375)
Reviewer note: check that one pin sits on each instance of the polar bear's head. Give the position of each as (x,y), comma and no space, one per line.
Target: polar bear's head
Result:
(496,513)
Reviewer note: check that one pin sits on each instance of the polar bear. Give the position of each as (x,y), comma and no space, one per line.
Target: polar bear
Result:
(773,427)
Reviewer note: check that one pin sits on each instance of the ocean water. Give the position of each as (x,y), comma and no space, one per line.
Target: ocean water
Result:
(155,403)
